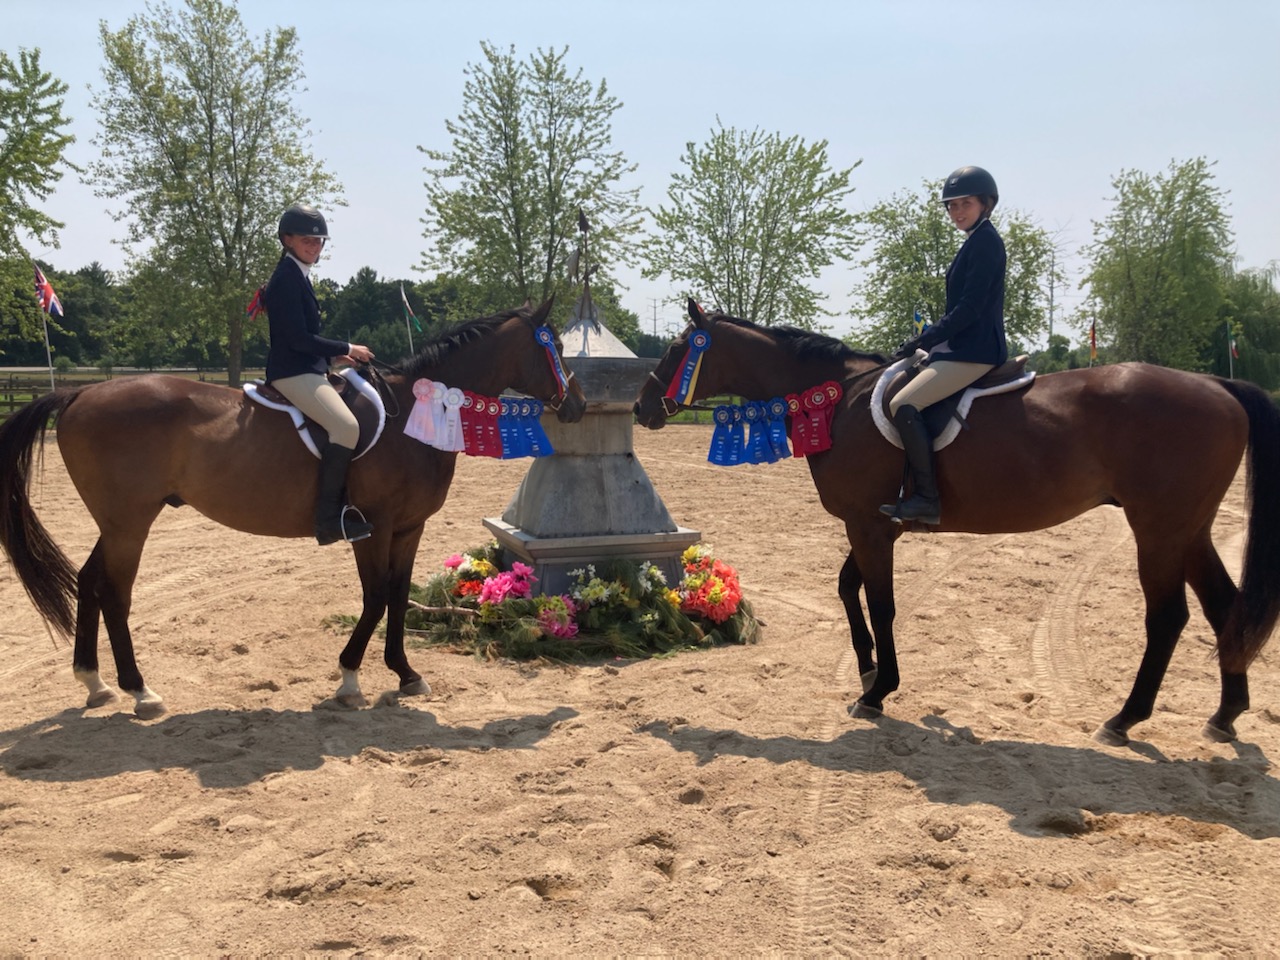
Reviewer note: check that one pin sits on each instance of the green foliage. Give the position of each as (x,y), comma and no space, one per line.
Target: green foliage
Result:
(1251,310)
(755,218)
(31,149)
(912,242)
(532,146)
(1157,267)
(200,139)
(619,608)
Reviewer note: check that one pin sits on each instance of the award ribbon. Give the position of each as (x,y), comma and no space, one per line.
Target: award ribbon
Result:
(548,340)
(776,414)
(686,379)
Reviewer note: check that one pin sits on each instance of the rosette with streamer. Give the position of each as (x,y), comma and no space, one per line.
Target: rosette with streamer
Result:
(439,416)
(452,438)
(758,449)
(820,409)
(686,379)
(721,436)
(492,439)
(536,439)
(421,424)
(548,341)
(510,429)
(799,425)
(469,414)
(776,414)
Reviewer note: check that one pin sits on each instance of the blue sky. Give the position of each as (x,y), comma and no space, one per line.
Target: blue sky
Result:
(1054,98)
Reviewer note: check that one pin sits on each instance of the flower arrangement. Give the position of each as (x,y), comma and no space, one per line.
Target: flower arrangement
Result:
(618,607)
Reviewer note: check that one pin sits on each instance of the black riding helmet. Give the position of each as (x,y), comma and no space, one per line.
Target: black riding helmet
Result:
(970,182)
(302,220)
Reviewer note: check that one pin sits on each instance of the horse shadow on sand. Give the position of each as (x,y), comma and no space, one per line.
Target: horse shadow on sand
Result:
(1047,789)
(232,748)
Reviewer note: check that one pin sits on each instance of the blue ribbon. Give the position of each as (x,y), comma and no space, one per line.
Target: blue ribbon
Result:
(548,340)
(699,340)
(776,414)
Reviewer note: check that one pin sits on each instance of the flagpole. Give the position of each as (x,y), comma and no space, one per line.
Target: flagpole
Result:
(48,354)
(1231,363)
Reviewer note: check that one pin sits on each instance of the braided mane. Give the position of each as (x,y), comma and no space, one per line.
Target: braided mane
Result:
(438,349)
(805,344)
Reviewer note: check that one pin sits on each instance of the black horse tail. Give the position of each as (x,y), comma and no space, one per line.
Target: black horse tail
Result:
(1257,606)
(43,569)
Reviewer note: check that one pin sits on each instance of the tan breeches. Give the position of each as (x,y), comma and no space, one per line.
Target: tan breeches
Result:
(312,394)
(935,382)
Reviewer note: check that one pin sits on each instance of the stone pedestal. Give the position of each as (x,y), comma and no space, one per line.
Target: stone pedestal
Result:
(591,500)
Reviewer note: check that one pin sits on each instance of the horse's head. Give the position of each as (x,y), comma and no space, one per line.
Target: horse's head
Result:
(541,371)
(662,394)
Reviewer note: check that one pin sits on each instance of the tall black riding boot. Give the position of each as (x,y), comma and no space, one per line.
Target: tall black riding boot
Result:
(334,519)
(923,504)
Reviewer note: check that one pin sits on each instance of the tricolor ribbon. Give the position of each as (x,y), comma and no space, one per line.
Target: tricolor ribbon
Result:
(686,378)
(548,340)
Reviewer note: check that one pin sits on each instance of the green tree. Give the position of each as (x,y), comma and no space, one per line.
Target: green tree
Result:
(911,243)
(1157,266)
(198,134)
(1251,311)
(531,147)
(753,220)
(32,141)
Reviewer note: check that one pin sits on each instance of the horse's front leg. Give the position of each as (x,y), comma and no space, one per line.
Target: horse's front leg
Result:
(404,549)
(863,646)
(875,561)
(372,562)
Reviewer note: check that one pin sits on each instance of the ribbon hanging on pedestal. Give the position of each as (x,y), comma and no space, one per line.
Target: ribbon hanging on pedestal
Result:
(510,429)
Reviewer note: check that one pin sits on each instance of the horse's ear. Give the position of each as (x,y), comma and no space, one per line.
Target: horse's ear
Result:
(544,310)
(696,313)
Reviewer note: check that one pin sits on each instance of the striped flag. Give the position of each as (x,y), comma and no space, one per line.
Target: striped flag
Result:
(408,310)
(49,301)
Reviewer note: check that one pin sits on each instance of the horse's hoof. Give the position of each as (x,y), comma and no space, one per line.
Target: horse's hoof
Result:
(416,688)
(100,698)
(1110,736)
(1219,734)
(868,679)
(149,709)
(864,711)
(353,701)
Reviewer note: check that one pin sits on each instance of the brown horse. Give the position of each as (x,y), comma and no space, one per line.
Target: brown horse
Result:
(131,446)
(1162,444)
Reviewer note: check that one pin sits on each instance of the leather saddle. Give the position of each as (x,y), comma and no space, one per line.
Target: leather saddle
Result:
(356,392)
(1010,375)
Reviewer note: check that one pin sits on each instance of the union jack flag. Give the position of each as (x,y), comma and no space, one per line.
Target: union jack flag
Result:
(49,301)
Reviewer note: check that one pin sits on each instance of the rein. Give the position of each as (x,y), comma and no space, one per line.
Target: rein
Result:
(671,406)
(563,380)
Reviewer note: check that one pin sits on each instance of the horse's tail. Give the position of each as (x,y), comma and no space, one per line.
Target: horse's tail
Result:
(1257,606)
(43,569)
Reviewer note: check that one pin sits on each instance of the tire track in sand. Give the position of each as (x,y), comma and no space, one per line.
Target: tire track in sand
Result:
(1059,661)
(836,802)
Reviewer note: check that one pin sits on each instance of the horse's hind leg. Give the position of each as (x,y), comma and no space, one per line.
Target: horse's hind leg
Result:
(863,645)
(121,553)
(1161,571)
(84,660)
(1212,585)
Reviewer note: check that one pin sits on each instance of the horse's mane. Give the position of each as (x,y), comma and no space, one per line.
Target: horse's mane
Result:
(805,344)
(451,338)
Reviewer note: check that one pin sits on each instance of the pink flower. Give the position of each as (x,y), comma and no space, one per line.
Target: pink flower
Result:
(454,562)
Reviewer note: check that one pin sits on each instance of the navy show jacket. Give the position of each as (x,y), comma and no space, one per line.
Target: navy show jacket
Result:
(293,316)
(973,326)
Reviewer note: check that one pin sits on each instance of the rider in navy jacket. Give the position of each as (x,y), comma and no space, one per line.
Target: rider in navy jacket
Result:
(298,366)
(965,344)
(293,316)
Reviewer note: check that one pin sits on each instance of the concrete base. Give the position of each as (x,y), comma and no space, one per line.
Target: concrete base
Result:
(553,557)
